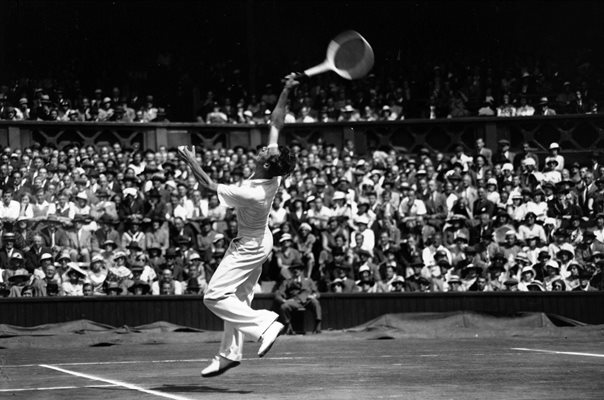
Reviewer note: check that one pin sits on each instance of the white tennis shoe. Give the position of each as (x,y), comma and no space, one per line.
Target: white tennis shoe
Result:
(269,337)
(218,366)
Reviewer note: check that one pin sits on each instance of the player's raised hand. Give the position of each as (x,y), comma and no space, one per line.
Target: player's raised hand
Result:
(290,80)
(185,153)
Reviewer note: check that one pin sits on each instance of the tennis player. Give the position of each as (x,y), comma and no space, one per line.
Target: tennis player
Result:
(230,291)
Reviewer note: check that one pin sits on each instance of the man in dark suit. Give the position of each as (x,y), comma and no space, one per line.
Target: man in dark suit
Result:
(504,155)
(32,257)
(54,235)
(131,204)
(106,231)
(8,250)
(484,151)
(298,293)
(112,184)
(483,205)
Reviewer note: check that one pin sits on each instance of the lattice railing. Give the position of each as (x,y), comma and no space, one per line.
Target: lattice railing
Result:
(576,133)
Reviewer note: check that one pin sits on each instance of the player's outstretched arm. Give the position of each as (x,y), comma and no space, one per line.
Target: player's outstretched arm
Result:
(188,156)
(278,115)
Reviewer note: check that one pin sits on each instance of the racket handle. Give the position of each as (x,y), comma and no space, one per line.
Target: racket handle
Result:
(296,75)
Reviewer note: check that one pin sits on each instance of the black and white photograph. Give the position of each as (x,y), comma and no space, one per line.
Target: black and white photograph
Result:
(301,199)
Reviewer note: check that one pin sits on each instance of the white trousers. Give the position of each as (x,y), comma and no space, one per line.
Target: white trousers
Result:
(231,290)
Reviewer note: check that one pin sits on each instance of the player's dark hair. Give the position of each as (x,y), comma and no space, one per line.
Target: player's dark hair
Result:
(282,164)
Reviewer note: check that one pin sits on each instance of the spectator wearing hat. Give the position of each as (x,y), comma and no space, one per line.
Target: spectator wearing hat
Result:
(588,247)
(525,153)
(342,208)
(340,272)
(131,204)
(204,240)
(157,235)
(196,282)
(367,282)
(18,277)
(544,108)
(74,285)
(296,293)
(412,281)
(154,257)
(305,242)
(133,233)
(81,240)
(565,257)
(585,282)
(552,273)
(554,154)
(496,276)
(62,259)
(140,288)
(119,270)
(551,173)
(363,259)
(23,234)
(331,232)
(8,250)
(527,276)
(142,270)
(504,154)
(572,280)
(368,236)
(98,274)
(106,232)
(560,243)
(47,281)
(501,225)
(511,246)
(530,228)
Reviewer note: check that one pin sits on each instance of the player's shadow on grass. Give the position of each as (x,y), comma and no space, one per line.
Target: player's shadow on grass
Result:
(198,389)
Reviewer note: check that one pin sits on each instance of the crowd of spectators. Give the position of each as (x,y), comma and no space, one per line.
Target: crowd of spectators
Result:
(443,93)
(53,105)
(110,220)
(445,90)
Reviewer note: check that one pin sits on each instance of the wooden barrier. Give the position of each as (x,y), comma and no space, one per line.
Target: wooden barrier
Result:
(340,310)
(577,134)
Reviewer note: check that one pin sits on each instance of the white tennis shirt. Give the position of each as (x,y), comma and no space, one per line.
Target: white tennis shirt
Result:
(252,202)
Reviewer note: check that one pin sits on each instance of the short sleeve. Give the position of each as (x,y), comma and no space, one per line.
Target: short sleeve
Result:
(236,196)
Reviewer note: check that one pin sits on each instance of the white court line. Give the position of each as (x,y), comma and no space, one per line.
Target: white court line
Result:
(117,383)
(75,364)
(571,353)
(55,388)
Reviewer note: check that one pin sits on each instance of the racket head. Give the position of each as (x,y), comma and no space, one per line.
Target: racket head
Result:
(350,55)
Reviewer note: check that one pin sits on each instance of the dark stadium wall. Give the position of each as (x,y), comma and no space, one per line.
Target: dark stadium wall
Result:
(340,310)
